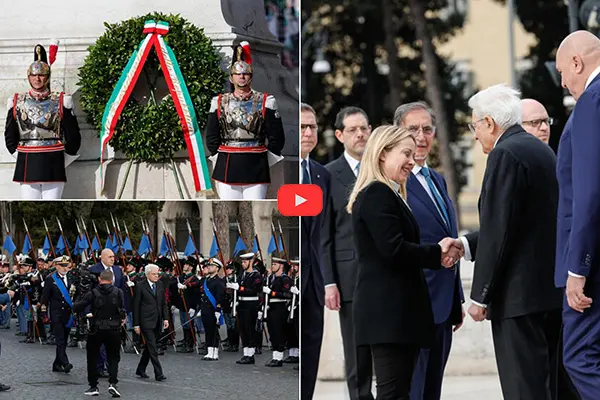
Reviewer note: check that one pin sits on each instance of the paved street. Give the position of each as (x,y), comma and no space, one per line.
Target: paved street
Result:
(27,369)
(455,388)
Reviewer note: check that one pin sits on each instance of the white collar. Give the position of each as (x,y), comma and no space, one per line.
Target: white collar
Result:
(395,186)
(590,78)
(417,168)
(498,138)
(104,265)
(352,162)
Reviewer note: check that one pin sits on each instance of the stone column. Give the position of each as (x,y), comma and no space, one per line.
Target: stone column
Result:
(225,21)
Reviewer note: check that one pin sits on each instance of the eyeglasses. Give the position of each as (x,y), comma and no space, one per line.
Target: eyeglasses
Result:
(536,123)
(313,127)
(472,125)
(427,130)
(355,129)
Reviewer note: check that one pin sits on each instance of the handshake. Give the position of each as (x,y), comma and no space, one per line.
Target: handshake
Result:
(452,251)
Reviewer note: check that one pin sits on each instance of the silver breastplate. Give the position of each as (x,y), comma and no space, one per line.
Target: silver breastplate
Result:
(38,121)
(241,120)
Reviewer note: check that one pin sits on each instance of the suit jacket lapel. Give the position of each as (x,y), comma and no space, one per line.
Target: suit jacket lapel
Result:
(416,189)
(447,202)
(149,289)
(344,173)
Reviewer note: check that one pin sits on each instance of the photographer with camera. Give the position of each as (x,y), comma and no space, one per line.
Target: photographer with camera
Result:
(107,316)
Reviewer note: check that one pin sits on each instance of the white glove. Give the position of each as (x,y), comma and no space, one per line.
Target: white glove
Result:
(233,285)
(181,286)
(43,283)
(29,275)
(260,315)
(266,290)
(191,312)
(173,309)
(217,316)
(18,303)
(89,315)
(294,290)
(25,284)
(130,284)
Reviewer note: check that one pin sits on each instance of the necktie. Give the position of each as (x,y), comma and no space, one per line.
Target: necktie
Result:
(305,174)
(436,195)
(153,288)
(357,168)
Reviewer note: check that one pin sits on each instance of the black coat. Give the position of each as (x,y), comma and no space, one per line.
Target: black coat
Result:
(340,263)
(149,311)
(515,246)
(391,301)
(60,311)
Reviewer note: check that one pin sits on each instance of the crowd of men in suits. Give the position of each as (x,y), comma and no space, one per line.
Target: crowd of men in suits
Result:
(536,252)
(206,295)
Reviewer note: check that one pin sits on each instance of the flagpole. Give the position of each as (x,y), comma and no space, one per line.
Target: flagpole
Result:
(96,232)
(88,240)
(64,239)
(118,235)
(285,252)
(28,236)
(193,239)
(49,238)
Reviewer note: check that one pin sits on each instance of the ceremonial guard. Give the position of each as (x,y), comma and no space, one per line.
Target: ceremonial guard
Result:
(58,289)
(277,297)
(166,277)
(249,291)
(213,296)
(41,132)
(293,326)
(244,133)
(130,276)
(233,336)
(186,291)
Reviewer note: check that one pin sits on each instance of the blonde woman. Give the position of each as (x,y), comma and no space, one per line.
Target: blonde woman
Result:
(392,310)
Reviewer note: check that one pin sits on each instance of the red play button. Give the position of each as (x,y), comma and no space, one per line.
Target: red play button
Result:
(300,200)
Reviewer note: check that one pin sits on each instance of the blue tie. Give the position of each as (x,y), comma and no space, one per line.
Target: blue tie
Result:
(357,169)
(436,195)
(305,174)
(154,288)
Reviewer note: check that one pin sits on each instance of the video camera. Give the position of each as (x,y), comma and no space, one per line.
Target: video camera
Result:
(83,279)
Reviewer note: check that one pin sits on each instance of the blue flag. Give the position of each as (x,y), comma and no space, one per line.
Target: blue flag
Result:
(77,249)
(127,244)
(46,248)
(83,244)
(26,245)
(239,246)
(255,247)
(9,245)
(115,243)
(164,247)
(190,247)
(214,248)
(280,244)
(272,245)
(96,245)
(60,246)
(144,245)
(109,244)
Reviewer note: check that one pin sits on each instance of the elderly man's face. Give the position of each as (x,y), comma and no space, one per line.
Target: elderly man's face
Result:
(484,132)
(536,121)
(419,123)
(107,257)
(153,275)
(570,68)
(308,133)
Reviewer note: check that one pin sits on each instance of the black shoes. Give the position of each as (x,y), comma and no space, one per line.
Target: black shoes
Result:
(246,360)
(4,388)
(291,360)
(92,391)
(58,368)
(274,363)
(142,375)
(68,368)
(112,389)
(161,378)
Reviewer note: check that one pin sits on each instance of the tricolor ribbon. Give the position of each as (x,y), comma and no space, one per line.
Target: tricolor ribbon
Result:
(181,98)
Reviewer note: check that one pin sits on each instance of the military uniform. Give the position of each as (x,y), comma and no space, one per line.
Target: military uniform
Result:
(213,297)
(241,131)
(293,325)
(233,336)
(40,129)
(278,297)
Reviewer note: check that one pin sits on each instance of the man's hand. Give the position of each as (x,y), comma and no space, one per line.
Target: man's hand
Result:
(89,315)
(136,329)
(233,285)
(165,324)
(11,293)
(477,313)
(296,291)
(266,290)
(123,322)
(191,312)
(575,297)
(462,321)
(452,251)
(181,286)
(332,298)
(130,284)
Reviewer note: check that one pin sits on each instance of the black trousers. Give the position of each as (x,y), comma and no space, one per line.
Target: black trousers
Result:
(358,360)
(276,322)
(527,355)
(61,337)
(150,352)
(312,336)
(41,329)
(111,339)
(394,366)
(247,315)
(209,322)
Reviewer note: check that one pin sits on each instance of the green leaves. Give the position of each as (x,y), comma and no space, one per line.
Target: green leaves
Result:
(148,132)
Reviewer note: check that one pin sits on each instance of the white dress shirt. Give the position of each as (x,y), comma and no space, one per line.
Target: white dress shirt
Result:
(416,169)
(352,162)
(105,268)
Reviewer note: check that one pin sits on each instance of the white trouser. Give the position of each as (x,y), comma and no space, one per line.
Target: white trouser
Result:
(242,192)
(42,191)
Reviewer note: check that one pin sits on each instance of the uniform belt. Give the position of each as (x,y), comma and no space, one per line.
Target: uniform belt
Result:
(277,300)
(253,298)
(243,149)
(30,147)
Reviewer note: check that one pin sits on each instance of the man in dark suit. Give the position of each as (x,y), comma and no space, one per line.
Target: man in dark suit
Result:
(312,292)
(340,264)
(513,282)
(149,318)
(431,205)
(57,295)
(578,237)
(107,261)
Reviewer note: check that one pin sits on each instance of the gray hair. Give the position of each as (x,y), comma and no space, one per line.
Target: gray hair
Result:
(150,267)
(404,109)
(307,107)
(501,103)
